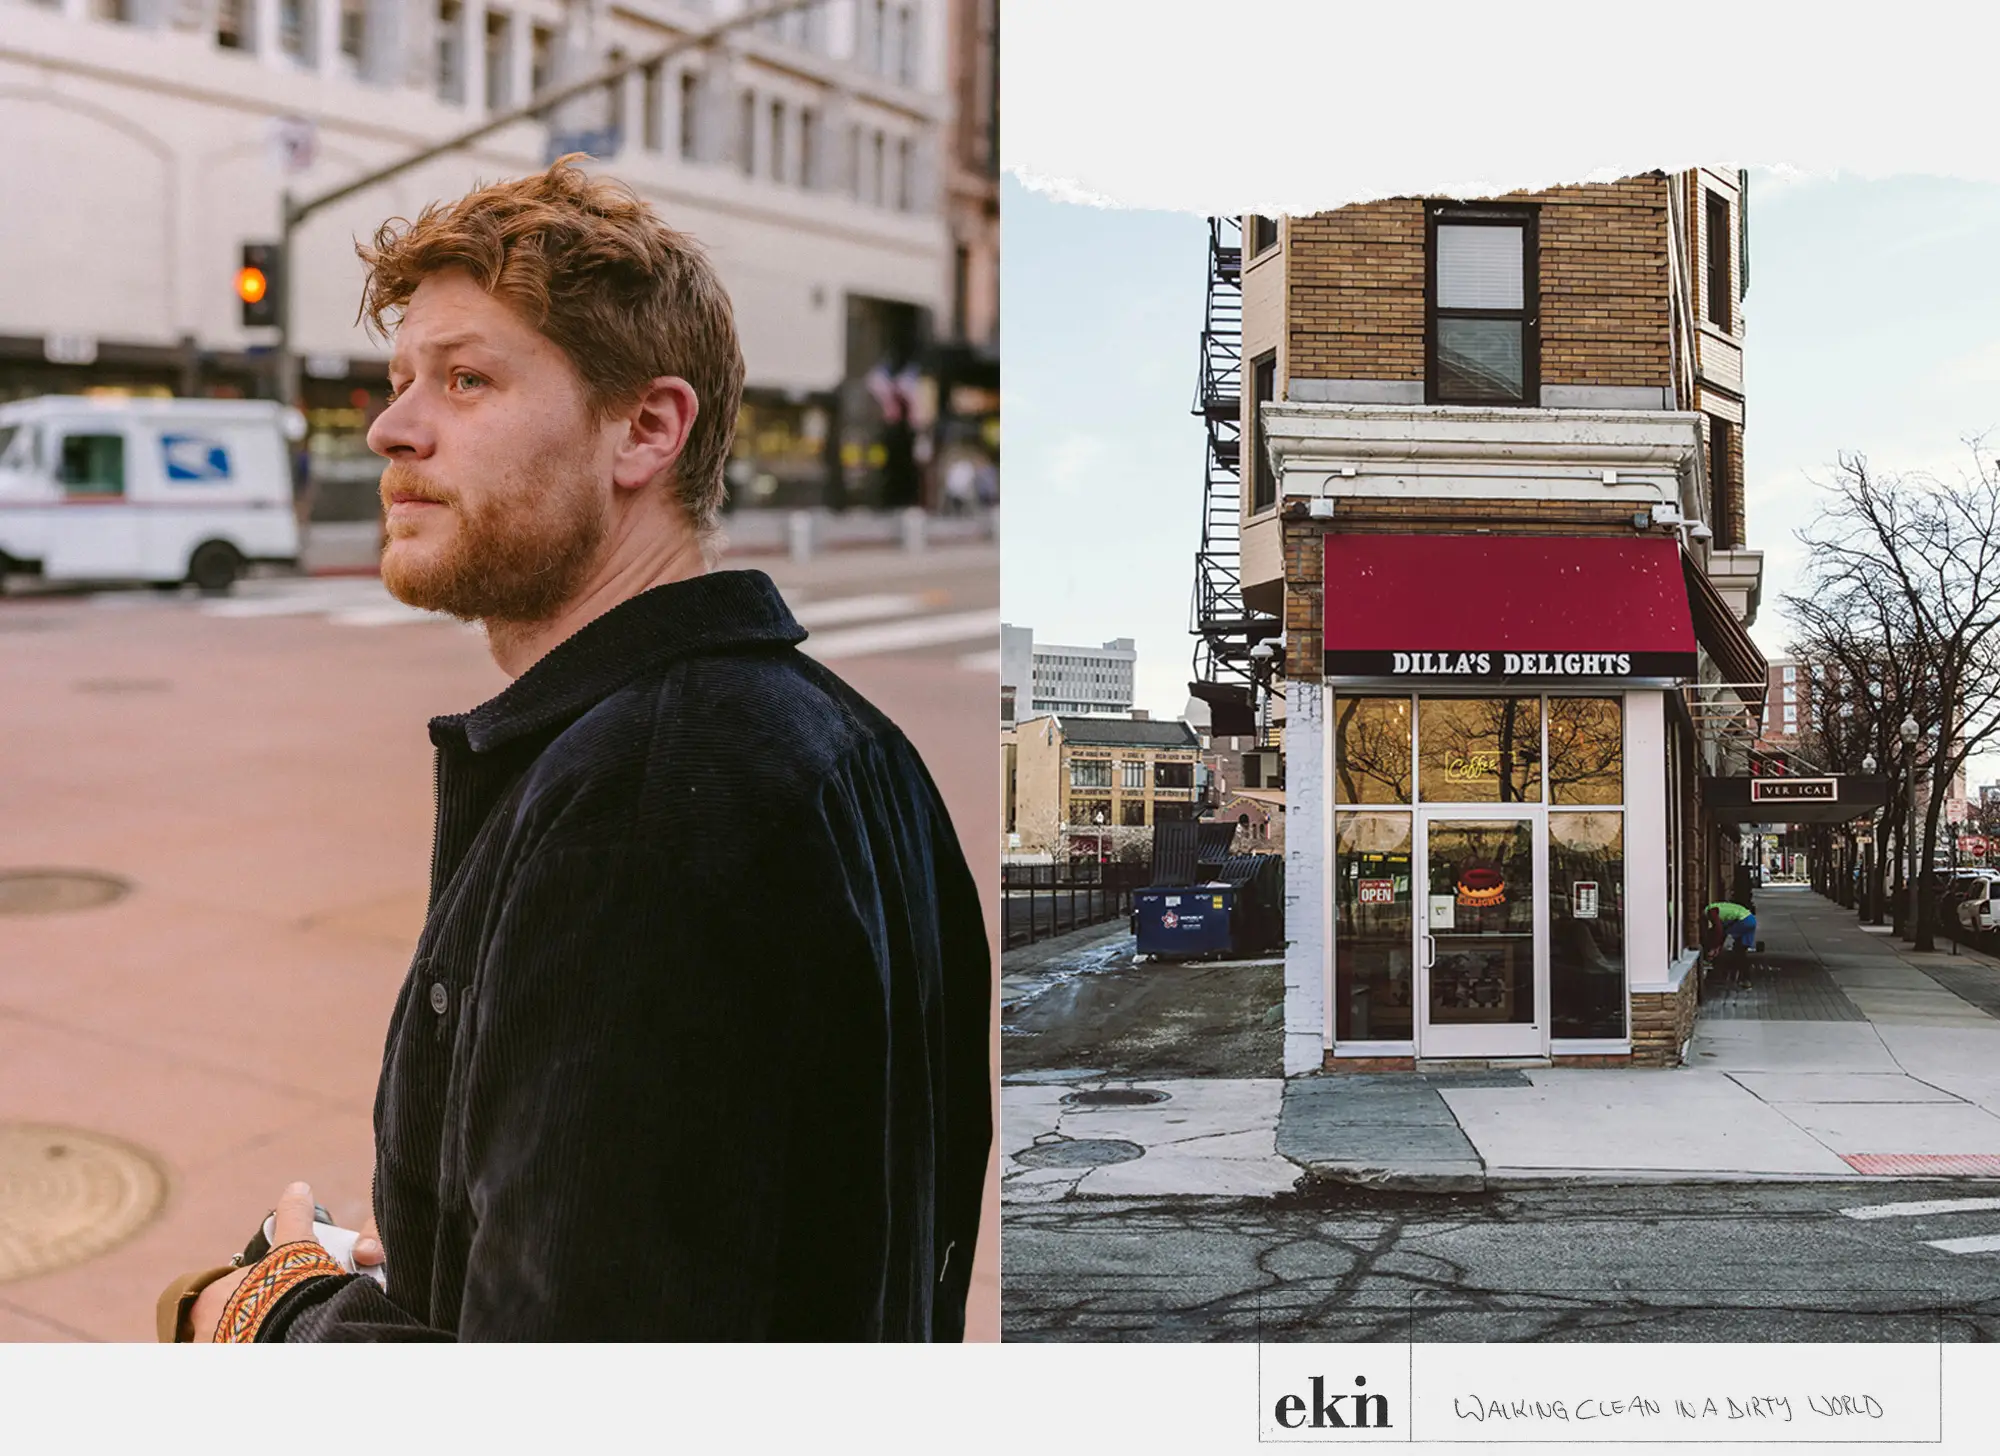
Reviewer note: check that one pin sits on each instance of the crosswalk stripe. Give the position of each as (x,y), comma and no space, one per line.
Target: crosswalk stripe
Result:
(912,632)
(1984,1244)
(1923,1209)
(838,611)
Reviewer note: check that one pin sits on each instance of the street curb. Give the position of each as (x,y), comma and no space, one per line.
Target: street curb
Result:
(1526,1178)
(1411,1178)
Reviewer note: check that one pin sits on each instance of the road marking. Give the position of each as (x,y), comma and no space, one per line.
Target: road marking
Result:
(898,636)
(1924,1209)
(836,611)
(1984,1244)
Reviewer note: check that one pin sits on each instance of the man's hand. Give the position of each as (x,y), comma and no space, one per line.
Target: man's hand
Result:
(368,1250)
(293,1224)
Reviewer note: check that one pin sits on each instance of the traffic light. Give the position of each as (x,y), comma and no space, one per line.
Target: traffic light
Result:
(257,284)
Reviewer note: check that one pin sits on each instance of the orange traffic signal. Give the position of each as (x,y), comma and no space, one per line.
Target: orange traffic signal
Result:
(258,285)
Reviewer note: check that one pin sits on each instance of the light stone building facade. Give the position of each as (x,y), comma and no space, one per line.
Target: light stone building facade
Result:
(143,143)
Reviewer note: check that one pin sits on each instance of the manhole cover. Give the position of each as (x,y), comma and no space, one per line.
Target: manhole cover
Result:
(1115,1097)
(49,892)
(1079,1153)
(67,1196)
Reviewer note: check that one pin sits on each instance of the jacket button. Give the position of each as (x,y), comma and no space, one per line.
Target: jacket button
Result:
(440,998)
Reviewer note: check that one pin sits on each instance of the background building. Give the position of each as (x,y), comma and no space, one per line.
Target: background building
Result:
(1081,786)
(1787,705)
(147,141)
(1047,677)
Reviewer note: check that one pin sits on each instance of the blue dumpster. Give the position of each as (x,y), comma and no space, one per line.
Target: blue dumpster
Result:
(1184,920)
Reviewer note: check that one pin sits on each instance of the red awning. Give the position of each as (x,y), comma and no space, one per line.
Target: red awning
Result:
(1506,608)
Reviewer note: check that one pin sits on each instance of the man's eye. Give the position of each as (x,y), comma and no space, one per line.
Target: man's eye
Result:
(463,375)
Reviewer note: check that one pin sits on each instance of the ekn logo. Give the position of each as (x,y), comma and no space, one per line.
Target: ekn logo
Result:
(1369,1411)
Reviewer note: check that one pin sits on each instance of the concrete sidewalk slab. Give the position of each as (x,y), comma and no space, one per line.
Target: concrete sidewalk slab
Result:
(1390,1131)
(1838,1087)
(1855,1128)
(1602,1122)
(1790,1046)
(1210,1137)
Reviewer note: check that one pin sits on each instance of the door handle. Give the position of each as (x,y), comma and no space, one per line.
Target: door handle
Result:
(1431,958)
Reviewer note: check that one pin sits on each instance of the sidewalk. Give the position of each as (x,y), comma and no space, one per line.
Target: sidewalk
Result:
(1842,1055)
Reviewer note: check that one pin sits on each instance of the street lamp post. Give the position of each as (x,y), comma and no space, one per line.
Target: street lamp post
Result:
(1870,915)
(1908,732)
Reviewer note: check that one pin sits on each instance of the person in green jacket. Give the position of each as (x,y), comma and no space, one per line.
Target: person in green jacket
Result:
(1728,921)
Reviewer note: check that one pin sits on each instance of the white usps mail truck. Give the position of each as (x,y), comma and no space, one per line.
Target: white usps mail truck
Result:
(157,490)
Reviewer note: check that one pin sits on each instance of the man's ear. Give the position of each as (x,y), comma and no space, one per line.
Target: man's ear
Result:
(657,432)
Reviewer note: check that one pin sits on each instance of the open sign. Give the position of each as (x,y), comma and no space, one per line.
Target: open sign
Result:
(1378,892)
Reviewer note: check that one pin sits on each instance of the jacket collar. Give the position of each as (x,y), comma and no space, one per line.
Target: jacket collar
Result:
(718,612)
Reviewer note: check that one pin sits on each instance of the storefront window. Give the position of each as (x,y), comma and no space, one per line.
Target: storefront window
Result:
(1371,750)
(1371,940)
(1480,750)
(1586,751)
(1481,921)
(1586,923)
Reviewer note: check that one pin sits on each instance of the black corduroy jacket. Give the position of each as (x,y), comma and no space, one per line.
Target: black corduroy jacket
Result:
(694,1043)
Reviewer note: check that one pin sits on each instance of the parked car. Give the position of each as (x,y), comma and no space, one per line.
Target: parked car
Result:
(1976,907)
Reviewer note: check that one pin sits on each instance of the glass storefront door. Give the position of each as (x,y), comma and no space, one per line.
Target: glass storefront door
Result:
(1481,925)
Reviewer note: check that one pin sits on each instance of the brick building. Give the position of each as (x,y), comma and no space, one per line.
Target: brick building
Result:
(1494,492)
(1078,786)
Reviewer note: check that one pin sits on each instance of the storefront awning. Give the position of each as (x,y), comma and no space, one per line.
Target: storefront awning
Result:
(1723,637)
(1799,799)
(1515,609)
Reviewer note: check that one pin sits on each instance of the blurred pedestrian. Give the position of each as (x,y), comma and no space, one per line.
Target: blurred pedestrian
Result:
(694,1044)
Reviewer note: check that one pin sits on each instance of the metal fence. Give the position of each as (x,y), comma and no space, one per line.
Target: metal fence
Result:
(1044,901)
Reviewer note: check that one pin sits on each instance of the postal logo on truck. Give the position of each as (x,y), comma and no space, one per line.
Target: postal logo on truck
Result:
(194,458)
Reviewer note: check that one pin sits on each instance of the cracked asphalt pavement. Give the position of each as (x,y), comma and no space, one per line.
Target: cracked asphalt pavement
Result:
(1667,1262)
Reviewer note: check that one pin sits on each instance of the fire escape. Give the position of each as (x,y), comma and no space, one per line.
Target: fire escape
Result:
(1227,676)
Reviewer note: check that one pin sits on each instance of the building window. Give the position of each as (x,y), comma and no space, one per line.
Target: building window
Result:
(295,29)
(906,166)
(879,37)
(1263,235)
(1173,775)
(1090,773)
(778,142)
(353,30)
(1090,811)
(1132,774)
(1791,695)
(232,25)
(499,55)
(1263,390)
(1007,704)
(906,45)
(746,133)
(1791,674)
(651,127)
(1132,813)
(450,70)
(1717,228)
(878,191)
(1483,336)
(809,148)
(541,59)
(690,110)
(1720,453)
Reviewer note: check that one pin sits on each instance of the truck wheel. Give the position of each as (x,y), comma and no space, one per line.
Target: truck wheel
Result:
(215,567)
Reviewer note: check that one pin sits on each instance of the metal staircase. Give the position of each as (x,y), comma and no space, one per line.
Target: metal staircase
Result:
(1223,629)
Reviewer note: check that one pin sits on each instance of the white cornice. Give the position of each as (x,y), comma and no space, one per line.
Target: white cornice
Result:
(1468,453)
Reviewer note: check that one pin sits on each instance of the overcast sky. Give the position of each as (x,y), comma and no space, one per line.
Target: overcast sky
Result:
(1873,324)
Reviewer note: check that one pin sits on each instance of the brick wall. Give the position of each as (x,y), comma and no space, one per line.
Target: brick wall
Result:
(1354,306)
(1604,284)
(1661,1025)
(1355,287)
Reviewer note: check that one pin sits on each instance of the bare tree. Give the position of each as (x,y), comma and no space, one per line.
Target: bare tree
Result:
(1911,565)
